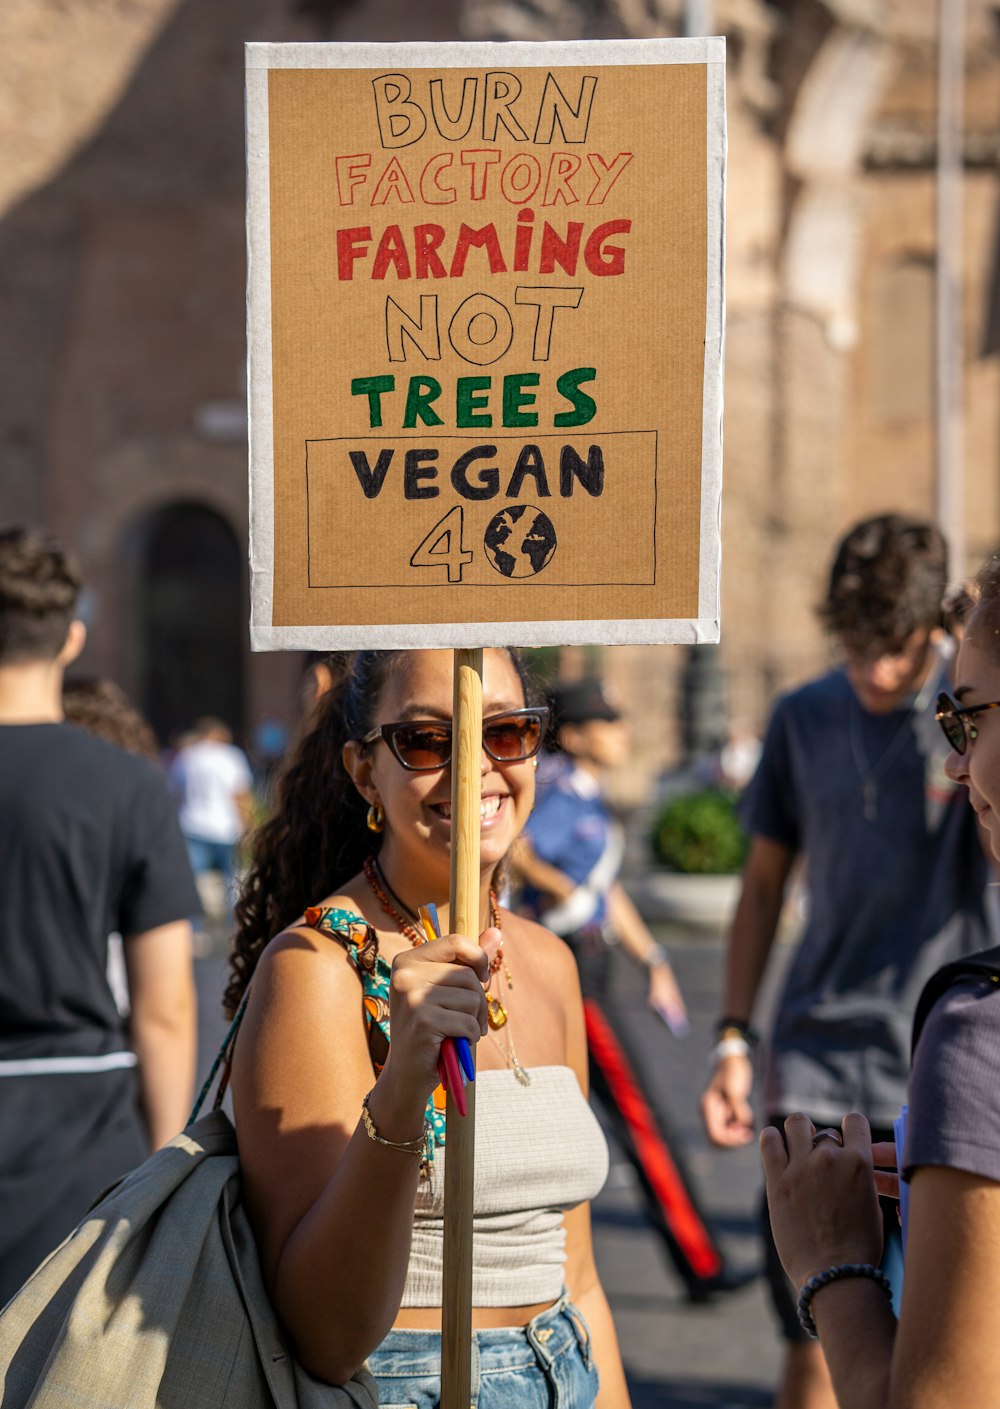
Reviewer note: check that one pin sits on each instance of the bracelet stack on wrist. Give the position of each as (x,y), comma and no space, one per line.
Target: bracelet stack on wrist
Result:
(729,1047)
(416,1147)
(834,1274)
(734,1037)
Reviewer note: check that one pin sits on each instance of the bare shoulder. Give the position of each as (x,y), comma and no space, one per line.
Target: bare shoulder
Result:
(301,1067)
(304,1013)
(537,945)
(302,954)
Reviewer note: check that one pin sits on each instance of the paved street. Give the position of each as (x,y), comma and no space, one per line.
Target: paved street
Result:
(677,1356)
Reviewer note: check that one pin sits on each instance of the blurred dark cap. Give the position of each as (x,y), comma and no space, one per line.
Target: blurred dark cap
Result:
(577,701)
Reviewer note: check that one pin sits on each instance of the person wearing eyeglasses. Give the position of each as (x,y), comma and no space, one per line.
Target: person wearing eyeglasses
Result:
(821,1184)
(852,786)
(339,1112)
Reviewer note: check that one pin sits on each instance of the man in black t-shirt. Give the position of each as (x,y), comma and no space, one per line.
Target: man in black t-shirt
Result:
(852,781)
(89,845)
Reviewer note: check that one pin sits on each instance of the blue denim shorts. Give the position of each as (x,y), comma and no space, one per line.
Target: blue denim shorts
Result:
(546,1364)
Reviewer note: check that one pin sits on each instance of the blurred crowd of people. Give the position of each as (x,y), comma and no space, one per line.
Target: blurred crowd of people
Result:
(106,842)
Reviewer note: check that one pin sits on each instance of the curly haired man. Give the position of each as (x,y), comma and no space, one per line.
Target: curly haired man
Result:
(851,781)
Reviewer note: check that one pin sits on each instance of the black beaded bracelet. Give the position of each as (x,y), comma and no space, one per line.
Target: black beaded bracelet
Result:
(739,1026)
(834,1274)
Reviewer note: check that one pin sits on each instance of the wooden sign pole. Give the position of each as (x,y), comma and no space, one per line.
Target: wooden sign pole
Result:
(460,1137)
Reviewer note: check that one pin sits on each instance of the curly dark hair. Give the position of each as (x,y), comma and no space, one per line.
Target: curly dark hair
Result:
(103,708)
(39,587)
(888,580)
(317,838)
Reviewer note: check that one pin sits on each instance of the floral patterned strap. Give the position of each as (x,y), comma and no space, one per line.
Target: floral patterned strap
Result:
(351,930)
(355,935)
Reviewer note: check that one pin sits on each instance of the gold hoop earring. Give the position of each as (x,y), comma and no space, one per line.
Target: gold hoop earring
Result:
(375,821)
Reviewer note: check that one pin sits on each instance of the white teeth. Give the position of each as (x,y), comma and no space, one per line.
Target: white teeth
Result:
(488,807)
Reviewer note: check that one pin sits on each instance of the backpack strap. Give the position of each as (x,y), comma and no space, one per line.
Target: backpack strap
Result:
(223,1059)
(985,965)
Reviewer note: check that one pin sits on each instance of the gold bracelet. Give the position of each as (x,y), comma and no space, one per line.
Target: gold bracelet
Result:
(410,1147)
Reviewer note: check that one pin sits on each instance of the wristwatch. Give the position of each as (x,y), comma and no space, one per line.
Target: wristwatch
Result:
(654,956)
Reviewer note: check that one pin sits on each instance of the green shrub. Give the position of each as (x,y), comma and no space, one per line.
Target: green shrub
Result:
(699,833)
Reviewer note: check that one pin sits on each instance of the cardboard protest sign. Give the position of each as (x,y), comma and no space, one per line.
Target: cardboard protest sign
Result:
(485,330)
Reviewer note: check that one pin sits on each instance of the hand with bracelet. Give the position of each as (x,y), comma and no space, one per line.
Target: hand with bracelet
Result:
(725,1102)
(436,991)
(822,1194)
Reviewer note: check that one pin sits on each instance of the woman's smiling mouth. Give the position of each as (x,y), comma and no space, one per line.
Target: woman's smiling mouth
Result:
(489,807)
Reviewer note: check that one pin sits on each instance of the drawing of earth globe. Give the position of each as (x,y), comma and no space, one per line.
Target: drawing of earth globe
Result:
(519,541)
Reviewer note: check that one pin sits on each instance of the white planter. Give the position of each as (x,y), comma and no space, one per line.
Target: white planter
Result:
(705,901)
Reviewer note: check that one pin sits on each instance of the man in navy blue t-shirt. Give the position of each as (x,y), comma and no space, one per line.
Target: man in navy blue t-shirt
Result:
(851,782)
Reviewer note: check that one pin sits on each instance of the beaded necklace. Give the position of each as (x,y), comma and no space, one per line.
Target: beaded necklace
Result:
(497,1014)
(385,895)
(407,920)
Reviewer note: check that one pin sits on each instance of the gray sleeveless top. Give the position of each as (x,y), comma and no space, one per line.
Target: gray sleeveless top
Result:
(539,1152)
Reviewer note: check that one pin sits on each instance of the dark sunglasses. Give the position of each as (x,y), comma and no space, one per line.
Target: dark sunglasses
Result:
(952,716)
(423,745)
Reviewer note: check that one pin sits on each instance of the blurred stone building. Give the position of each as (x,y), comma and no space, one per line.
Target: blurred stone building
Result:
(122,299)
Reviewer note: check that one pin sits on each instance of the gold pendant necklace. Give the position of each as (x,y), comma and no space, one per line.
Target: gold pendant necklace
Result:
(499,1020)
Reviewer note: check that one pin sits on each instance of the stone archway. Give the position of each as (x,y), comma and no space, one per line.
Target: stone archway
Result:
(189,619)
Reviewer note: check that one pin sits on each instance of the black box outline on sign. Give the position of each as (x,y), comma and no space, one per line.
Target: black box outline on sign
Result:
(510,582)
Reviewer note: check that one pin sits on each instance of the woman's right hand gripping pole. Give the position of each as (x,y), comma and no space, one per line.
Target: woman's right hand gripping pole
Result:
(436,992)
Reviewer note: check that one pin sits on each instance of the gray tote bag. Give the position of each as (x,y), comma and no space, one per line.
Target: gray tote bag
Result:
(157,1301)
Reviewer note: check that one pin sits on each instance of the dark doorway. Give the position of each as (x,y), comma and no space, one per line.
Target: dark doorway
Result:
(191,620)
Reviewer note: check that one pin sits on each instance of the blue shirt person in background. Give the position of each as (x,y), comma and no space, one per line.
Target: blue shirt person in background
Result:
(567,861)
(852,781)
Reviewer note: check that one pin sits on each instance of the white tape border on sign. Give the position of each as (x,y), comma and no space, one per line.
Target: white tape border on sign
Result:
(260,58)
(260,402)
(710,567)
(552,54)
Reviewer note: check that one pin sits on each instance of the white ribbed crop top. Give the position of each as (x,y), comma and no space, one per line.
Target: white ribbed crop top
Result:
(539,1152)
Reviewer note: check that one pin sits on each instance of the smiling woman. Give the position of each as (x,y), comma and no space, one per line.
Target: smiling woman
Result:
(339,1116)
